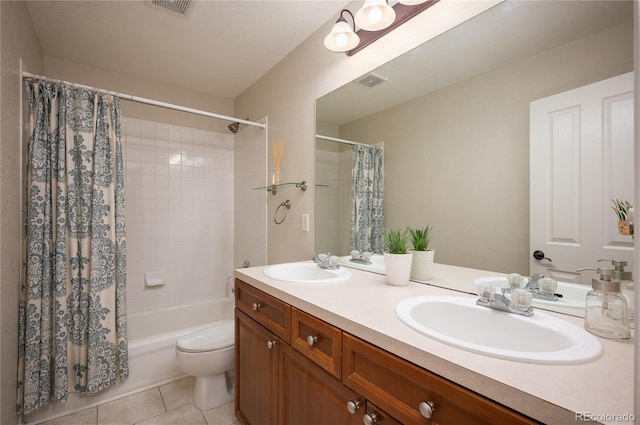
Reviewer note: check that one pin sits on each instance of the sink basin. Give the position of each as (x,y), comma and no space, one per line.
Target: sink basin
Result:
(540,338)
(309,273)
(573,294)
(376,266)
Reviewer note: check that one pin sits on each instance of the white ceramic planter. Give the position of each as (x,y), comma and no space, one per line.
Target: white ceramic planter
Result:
(422,264)
(398,268)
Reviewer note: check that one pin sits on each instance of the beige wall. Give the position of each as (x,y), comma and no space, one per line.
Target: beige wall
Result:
(18,40)
(459,158)
(287,94)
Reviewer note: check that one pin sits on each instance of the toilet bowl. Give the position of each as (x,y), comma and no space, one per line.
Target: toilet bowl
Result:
(208,355)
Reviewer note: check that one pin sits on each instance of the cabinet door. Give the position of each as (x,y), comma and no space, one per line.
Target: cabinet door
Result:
(256,373)
(311,396)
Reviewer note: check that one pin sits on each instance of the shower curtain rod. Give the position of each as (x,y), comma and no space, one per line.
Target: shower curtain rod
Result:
(335,139)
(139,99)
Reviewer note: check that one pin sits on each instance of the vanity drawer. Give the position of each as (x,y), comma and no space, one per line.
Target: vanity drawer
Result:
(270,312)
(318,340)
(399,387)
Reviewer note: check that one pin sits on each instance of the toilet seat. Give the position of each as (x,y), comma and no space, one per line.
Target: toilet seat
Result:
(215,337)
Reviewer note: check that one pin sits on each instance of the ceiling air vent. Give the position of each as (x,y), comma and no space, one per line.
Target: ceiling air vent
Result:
(181,7)
(371,80)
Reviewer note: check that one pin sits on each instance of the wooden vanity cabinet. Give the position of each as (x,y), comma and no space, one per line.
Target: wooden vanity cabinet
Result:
(280,384)
(295,369)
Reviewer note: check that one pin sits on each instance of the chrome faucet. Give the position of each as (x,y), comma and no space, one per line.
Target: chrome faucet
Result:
(521,303)
(326,261)
(532,284)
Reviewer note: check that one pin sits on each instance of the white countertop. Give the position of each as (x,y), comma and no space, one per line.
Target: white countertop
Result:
(365,307)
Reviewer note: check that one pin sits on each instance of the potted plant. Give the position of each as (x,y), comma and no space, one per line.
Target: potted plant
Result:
(422,255)
(397,258)
(624,211)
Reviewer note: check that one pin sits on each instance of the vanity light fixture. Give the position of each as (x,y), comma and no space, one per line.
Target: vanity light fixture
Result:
(375,15)
(342,37)
(374,20)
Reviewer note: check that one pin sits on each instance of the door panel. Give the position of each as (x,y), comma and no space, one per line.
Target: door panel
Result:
(581,157)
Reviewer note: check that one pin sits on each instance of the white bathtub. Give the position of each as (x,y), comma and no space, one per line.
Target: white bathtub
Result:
(152,339)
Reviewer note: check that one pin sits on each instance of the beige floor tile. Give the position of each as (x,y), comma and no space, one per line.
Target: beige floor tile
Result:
(133,409)
(83,417)
(178,393)
(185,415)
(223,415)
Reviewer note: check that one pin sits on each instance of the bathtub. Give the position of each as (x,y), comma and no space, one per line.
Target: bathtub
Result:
(152,338)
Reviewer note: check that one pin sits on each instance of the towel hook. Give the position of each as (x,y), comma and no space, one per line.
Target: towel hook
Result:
(285,204)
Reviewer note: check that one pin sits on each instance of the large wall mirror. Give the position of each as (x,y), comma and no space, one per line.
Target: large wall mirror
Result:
(453,119)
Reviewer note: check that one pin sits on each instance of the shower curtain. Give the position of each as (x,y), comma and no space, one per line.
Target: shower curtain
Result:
(367,216)
(73,330)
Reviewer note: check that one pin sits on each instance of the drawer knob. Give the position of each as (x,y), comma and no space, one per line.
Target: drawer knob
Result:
(353,406)
(369,419)
(271,344)
(426,409)
(256,306)
(311,340)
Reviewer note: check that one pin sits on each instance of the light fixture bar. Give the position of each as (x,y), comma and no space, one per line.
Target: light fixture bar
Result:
(403,14)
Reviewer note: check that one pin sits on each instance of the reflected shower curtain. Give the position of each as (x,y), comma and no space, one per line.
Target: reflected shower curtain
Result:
(367,216)
(73,331)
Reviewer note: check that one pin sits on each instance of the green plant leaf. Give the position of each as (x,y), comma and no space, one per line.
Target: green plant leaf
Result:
(420,238)
(396,241)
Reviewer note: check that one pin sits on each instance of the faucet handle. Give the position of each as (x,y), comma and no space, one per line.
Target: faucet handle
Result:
(486,291)
(521,298)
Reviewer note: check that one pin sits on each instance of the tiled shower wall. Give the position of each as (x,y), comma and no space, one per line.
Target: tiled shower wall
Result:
(179,213)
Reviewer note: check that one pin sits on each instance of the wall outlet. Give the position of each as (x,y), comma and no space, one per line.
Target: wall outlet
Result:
(305,222)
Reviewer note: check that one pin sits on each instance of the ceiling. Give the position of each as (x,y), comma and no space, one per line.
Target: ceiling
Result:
(218,47)
(508,32)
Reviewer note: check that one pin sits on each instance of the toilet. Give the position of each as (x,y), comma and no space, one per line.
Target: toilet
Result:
(208,355)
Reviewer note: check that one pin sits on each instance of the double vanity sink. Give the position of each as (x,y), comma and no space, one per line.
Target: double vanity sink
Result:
(459,322)
(545,366)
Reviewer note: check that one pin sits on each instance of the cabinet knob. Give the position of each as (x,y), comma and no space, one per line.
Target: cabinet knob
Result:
(353,406)
(426,409)
(369,419)
(311,339)
(256,306)
(271,344)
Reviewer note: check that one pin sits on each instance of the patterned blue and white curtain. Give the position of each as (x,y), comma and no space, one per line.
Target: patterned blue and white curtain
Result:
(367,216)
(73,329)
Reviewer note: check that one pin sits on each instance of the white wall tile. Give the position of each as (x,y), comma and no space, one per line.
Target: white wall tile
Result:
(179,201)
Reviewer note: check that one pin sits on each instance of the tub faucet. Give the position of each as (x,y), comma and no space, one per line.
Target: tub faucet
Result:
(326,261)
(521,303)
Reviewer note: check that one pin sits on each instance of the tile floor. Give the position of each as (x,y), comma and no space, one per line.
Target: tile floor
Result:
(168,404)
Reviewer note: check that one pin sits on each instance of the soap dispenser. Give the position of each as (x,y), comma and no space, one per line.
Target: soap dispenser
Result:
(626,286)
(605,307)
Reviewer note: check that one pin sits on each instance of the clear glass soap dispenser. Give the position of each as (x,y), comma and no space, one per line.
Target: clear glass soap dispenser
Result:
(605,307)
(626,286)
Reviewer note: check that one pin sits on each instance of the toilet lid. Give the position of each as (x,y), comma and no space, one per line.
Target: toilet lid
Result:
(214,337)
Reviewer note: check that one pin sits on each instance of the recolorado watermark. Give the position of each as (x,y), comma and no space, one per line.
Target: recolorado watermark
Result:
(605,417)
